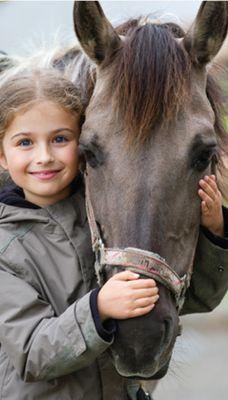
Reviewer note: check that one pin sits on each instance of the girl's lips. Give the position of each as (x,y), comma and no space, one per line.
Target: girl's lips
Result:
(45,175)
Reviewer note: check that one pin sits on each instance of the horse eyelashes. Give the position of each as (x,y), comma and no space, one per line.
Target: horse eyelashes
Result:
(203,159)
(93,154)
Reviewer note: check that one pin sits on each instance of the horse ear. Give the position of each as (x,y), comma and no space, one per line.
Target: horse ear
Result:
(95,33)
(208,32)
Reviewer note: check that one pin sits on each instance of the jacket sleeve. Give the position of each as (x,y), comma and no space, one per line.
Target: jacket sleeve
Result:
(209,282)
(40,345)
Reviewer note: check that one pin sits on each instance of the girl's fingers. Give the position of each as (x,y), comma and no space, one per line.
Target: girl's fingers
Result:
(143,283)
(201,193)
(146,301)
(204,209)
(211,178)
(212,183)
(143,293)
(204,206)
(208,189)
(207,199)
(134,278)
(141,311)
(125,276)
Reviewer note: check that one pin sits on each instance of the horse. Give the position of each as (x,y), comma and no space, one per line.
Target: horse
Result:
(152,129)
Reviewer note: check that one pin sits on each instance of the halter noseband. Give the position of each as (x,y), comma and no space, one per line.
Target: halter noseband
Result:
(140,261)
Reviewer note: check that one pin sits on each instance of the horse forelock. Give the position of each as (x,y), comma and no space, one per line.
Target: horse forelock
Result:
(149,77)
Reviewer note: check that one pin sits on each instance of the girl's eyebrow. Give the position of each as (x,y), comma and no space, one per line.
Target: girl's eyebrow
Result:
(20,134)
(51,132)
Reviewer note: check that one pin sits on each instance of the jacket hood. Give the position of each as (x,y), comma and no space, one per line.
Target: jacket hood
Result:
(12,195)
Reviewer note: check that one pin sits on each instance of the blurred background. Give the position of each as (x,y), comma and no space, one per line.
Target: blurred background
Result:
(199,368)
(22,20)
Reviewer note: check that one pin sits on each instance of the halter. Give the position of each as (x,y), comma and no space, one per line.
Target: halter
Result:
(140,261)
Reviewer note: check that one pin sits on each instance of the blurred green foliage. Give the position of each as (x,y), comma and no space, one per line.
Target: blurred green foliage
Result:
(226,122)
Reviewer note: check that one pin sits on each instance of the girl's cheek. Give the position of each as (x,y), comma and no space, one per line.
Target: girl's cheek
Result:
(71,154)
(19,160)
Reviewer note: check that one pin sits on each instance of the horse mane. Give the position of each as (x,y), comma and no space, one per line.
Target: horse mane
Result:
(217,100)
(149,76)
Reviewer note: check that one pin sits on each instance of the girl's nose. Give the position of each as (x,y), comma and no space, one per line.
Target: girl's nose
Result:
(44,155)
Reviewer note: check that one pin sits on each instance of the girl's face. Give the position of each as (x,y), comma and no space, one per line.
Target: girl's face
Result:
(40,151)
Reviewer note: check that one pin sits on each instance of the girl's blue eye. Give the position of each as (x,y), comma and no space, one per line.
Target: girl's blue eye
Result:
(60,139)
(25,142)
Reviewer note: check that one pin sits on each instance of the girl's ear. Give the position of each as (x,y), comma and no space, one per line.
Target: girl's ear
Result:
(3,161)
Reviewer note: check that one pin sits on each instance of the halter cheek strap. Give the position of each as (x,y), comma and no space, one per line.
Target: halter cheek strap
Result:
(140,261)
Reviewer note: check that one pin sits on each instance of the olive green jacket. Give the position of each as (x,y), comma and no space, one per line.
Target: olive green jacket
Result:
(49,346)
(209,282)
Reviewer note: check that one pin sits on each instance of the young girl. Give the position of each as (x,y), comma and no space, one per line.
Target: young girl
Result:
(54,325)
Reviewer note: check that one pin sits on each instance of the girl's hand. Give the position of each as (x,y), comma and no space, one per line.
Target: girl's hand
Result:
(126,296)
(211,205)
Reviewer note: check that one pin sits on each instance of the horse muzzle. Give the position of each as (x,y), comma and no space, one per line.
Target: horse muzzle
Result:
(143,345)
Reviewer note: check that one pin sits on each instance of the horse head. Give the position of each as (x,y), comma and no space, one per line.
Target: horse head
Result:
(149,136)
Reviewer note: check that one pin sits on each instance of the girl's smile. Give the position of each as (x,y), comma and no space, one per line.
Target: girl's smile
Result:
(40,151)
(45,175)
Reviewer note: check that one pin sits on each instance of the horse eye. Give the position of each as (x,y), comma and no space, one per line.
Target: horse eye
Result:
(204,158)
(93,154)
